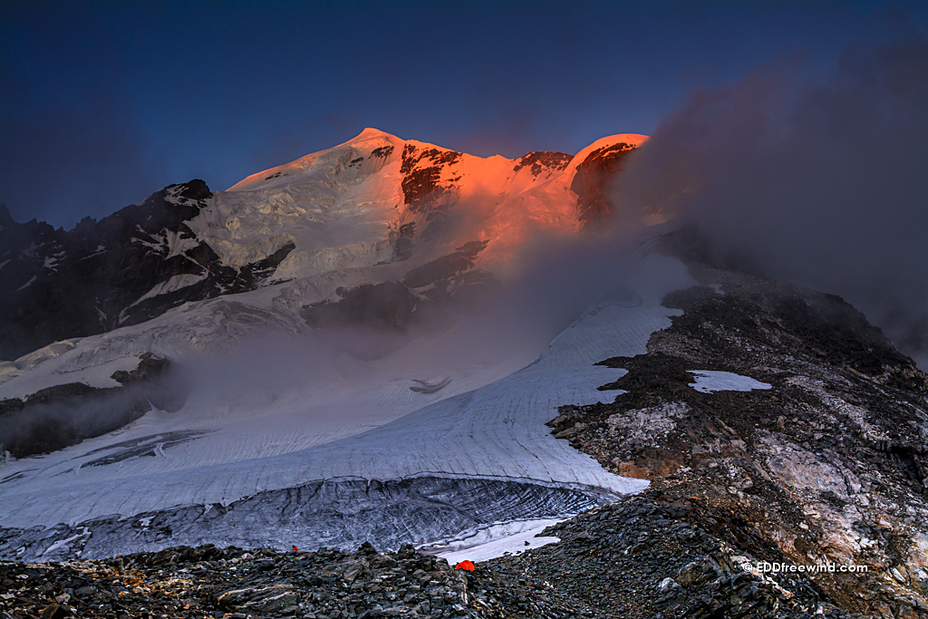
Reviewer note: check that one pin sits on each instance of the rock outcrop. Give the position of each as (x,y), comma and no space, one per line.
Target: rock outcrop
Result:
(812,453)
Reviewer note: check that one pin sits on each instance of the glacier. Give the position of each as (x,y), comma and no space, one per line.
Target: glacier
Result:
(242,455)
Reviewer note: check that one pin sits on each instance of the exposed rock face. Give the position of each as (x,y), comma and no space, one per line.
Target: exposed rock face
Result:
(122,270)
(445,268)
(403,241)
(423,297)
(422,172)
(425,192)
(592,179)
(451,278)
(827,465)
(539,161)
(384,307)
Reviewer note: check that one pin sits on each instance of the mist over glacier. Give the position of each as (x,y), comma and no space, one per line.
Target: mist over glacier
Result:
(814,178)
(509,324)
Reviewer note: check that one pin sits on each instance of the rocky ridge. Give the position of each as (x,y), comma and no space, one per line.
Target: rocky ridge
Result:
(826,466)
(122,270)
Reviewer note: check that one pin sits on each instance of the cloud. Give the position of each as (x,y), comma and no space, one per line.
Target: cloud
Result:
(815,179)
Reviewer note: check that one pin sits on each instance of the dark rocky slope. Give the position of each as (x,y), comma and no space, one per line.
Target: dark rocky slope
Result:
(592,180)
(640,557)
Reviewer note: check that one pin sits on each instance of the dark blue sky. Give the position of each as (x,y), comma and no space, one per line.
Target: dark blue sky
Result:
(105,102)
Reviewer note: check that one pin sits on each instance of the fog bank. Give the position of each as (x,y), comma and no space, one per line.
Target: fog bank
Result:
(817,179)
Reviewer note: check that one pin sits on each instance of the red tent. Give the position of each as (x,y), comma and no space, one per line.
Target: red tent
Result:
(465,565)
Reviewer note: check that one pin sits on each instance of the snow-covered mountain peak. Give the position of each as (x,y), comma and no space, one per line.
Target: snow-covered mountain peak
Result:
(369,143)
(374,208)
(370,133)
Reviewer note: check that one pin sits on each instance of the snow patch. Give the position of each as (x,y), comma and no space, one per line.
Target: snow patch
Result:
(175,283)
(494,541)
(63,544)
(178,244)
(708,381)
(51,262)
(99,250)
(157,245)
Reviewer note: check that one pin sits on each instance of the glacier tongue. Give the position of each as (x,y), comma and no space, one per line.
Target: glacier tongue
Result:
(340,513)
(485,423)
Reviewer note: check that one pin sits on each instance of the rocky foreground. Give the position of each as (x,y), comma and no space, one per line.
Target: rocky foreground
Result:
(640,557)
